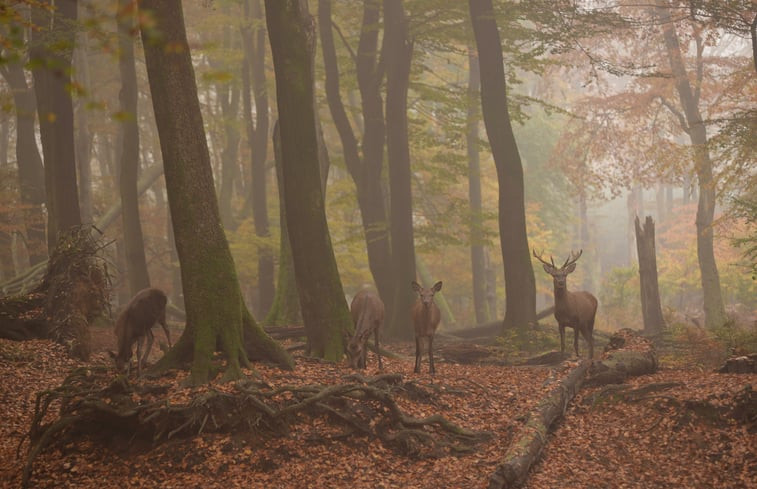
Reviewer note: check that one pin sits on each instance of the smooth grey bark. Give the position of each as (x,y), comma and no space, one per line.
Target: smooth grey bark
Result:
(52,45)
(324,308)
(134,248)
(364,169)
(83,143)
(398,52)
(714,309)
(254,83)
(31,173)
(478,258)
(520,285)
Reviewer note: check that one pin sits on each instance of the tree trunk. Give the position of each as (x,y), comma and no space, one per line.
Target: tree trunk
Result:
(31,174)
(228,95)
(365,172)
(83,143)
(478,260)
(216,314)
(324,308)
(253,39)
(714,310)
(285,309)
(528,445)
(136,263)
(520,286)
(398,54)
(651,309)
(51,73)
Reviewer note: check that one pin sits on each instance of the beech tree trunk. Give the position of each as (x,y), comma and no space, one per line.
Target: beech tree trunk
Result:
(52,46)
(714,310)
(254,79)
(651,309)
(478,258)
(136,262)
(520,285)
(324,308)
(366,170)
(285,310)
(398,54)
(31,173)
(216,314)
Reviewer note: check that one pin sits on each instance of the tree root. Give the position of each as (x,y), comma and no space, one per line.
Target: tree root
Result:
(94,405)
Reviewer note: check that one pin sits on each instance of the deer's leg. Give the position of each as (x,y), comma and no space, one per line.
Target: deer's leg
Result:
(150,339)
(165,330)
(417,355)
(378,350)
(575,339)
(139,352)
(561,327)
(431,355)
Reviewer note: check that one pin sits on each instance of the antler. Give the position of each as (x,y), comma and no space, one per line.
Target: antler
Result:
(572,258)
(544,261)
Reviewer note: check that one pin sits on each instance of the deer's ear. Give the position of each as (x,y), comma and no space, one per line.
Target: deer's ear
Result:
(437,286)
(547,269)
(416,286)
(570,268)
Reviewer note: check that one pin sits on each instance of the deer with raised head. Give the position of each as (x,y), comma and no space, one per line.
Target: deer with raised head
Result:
(134,324)
(572,309)
(426,317)
(367,311)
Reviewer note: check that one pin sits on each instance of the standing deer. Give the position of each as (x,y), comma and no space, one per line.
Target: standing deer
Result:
(367,310)
(572,309)
(135,323)
(426,317)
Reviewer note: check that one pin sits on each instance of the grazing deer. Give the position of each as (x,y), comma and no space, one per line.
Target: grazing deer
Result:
(426,317)
(572,309)
(367,310)
(135,323)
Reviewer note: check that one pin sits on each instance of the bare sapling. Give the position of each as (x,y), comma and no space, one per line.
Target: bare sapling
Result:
(572,309)
(426,317)
(135,324)
(367,311)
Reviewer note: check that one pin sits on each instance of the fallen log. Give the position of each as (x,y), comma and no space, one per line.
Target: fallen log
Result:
(529,443)
(746,364)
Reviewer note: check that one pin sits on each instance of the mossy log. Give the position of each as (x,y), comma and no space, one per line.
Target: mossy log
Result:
(532,438)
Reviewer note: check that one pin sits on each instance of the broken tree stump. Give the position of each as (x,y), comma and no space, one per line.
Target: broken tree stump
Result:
(627,355)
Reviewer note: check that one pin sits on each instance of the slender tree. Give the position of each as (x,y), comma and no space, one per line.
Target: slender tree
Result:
(714,310)
(478,258)
(254,82)
(52,45)
(136,263)
(216,314)
(398,54)
(520,286)
(31,173)
(365,169)
(324,308)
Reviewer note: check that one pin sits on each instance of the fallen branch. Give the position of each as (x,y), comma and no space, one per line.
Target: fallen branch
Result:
(529,443)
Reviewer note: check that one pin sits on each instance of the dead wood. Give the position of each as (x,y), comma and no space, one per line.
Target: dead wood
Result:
(627,355)
(532,438)
(745,364)
(73,292)
(95,406)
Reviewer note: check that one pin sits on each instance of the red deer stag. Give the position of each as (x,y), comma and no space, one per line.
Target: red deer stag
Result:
(572,309)
(135,323)
(368,315)
(426,317)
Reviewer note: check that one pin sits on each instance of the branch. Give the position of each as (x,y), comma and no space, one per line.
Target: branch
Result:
(677,113)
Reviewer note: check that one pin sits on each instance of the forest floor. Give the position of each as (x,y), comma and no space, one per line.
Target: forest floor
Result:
(684,437)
